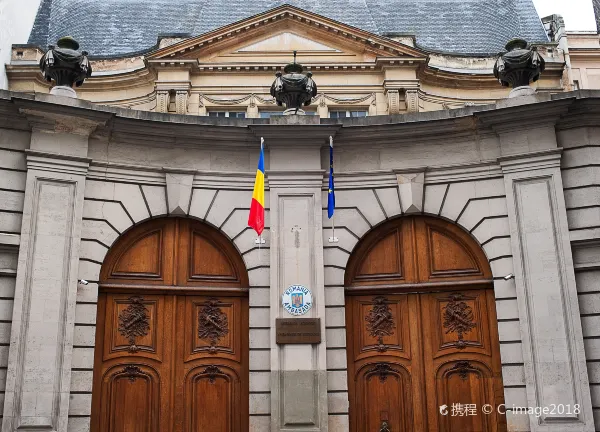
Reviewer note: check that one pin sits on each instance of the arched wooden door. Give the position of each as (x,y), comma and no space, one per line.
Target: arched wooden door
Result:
(172,332)
(422,331)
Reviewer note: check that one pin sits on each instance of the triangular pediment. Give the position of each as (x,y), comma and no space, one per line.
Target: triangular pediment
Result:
(283,30)
(287,42)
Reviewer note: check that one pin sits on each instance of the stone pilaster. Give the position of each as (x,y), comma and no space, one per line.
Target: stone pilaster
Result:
(39,364)
(553,351)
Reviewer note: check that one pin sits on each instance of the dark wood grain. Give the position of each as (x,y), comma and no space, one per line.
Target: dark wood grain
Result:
(172,332)
(421,330)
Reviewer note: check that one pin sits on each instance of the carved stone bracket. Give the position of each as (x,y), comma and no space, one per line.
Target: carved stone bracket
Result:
(458,318)
(463,368)
(412,100)
(162,101)
(134,322)
(181,101)
(212,323)
(380,321)
(393,101)
(382,370)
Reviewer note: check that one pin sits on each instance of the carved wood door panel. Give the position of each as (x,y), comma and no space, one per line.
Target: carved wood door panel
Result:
(421,331)
(171,339)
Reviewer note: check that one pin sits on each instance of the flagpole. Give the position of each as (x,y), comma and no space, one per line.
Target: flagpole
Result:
(333,238)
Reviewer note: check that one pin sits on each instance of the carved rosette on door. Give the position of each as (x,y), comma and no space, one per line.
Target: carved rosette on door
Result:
(134,322)
(380,322)
(458,318)
(212,324)
(463,368)
(132,372)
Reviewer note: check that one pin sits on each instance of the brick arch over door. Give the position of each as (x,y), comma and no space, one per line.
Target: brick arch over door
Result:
(421,330)
(172,331)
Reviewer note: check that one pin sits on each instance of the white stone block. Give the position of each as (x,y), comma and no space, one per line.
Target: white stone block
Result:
(81,381)
(364,199)
(335,317)
(224,203)
(588,280)
(12,201)
(12,160)
(334,276)
(156,198)
(589,303)
(10,222)
(4,356)
(351,219)
(489,228)
(476,210)
(337,403)
(92,250)
(511,353)
(5,334)
(592,349)
(98,230)
(259,317)
(345,238)
(87,293)
(513,375)
(509,331)
(7,286)
(14,180)
(338,423)
(336,338)
(80,404)
(498,247)
(131,197)
(84,336)
(333,256)
(83,358)
(260,338)
(6,309)
(260,360)
(88,270)
(505,289)
(593,369)
(259,277)
(112,212)
(259,297)
(456,199)
(336,359)
(507,309)
(410,190)
(334,296)
(260,381)
(257,257)
(516,396)
(517,422)
(389,200)
(260,423)
(78,424)
(179,193)
(337,380)
(201,201)
(260,403)
(85,314)
(434,195)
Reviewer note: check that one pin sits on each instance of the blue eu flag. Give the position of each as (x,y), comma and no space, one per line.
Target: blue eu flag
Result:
(331,192)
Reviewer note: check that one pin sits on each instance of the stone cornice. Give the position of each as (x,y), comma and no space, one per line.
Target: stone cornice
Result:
(563,111)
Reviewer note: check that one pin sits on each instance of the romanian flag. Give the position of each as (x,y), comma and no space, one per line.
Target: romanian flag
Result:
(256,219)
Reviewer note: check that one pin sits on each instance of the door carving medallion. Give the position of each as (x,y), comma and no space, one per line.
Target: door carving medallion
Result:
(134,322)
(458,318)
(382,370)
(212,323)
(380,321)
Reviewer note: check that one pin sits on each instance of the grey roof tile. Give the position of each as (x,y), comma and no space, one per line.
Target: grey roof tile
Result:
(117,27)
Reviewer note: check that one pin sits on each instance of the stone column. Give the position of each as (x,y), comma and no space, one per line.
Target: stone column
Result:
(39,363)
(295,178)
(553,351)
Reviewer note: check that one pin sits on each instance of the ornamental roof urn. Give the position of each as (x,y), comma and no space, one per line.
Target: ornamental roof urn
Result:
(66,66)
(294,89)
(518,66)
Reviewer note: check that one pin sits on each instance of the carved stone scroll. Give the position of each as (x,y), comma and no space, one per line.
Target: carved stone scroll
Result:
(458,318)
(380,321)
(212,323)
(134,322)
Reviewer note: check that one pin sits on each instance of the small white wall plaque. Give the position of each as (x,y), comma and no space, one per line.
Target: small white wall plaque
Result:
(297,300)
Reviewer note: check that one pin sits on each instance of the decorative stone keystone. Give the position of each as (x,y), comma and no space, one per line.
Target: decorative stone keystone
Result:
(519,66)
(294,89)
(410,189)
(66,66)
(179,192)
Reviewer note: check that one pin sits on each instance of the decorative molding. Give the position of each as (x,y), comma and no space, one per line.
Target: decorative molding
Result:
(179,192)
(162,101)
(458,318)
(463,368)
(382,370)
(134,322)
(531,161)
(181,101)
(410,190)
(212,323)
(212,372)
(380,321)
(393,97)
(132,372)
(412,100)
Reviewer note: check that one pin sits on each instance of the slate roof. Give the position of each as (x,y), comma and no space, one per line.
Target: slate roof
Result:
(108,28)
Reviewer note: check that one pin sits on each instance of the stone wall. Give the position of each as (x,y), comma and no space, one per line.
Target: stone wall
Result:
(12,192)
(581,151)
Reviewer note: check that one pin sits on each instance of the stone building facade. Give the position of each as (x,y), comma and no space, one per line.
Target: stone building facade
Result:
(466,260)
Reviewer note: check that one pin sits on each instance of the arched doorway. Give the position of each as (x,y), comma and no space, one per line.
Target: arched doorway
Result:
(422,331)
(172,332)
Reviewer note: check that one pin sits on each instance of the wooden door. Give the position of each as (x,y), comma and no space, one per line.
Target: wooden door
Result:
(171,341)
(422,331)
